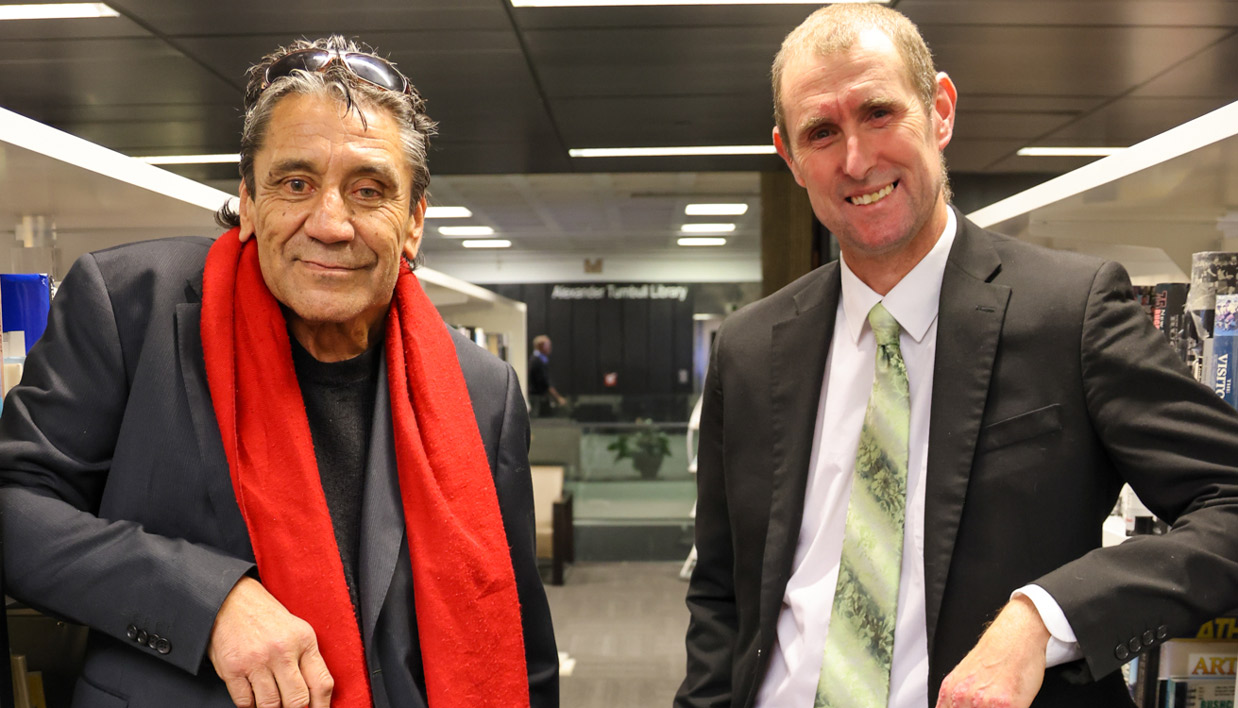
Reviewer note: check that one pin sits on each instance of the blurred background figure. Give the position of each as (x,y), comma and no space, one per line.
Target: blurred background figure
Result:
(543,397)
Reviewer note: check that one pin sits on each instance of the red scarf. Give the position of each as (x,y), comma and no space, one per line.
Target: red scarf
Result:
(468,614)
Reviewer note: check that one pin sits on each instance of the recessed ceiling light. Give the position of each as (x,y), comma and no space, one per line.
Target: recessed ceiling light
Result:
(465,231)
(715,209)
(487,243)
(707,228)
(702,241)
(57,11)
(190,159)
(691,150)
(448,212)
(1068,151)
(629,3)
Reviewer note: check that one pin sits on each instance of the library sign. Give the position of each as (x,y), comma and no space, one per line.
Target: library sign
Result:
(618,291)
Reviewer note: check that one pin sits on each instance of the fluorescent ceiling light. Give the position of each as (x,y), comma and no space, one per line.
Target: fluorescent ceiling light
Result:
(707,228)
(1068,151)
(447,212)
(465,231)
(630,3)
(1205,130)
(58,11)
(190,159)
(694,150)
(702,241)
(487,243)
(715,209)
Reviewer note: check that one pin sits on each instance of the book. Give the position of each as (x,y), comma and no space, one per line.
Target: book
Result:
(1212,273)
(1169,316)
(1221,349)
(1144,295)
(1219,362)
(1198,658)
(1198,693)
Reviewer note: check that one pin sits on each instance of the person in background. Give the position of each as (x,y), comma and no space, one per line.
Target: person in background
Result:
(906,456)
(261,469)
(543,396)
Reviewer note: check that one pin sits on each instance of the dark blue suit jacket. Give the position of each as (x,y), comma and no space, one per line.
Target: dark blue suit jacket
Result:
(118,509)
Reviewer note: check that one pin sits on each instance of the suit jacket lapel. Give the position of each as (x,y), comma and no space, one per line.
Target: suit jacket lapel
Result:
(210,449)
(969,326)
(799,345)
(382,514)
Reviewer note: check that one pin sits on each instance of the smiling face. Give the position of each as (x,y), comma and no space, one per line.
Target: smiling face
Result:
(332,212)
(869,154)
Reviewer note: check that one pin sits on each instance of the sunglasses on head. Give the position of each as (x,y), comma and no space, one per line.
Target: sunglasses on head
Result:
(367,67)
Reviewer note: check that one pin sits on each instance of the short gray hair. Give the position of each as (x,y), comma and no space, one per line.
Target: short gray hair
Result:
(835,28)
(337,82)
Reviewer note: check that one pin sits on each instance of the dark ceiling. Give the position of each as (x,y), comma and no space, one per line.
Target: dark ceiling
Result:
(513,89)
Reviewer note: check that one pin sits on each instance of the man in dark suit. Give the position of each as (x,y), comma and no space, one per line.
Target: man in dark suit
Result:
(240,462)
(960,407)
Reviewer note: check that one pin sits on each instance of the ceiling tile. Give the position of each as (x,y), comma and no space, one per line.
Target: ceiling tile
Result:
(1061,61)
(1129,120)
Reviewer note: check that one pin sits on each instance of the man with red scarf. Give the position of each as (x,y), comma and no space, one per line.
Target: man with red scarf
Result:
(261,469)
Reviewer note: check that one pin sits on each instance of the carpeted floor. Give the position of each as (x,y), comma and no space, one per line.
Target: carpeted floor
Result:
(622,627)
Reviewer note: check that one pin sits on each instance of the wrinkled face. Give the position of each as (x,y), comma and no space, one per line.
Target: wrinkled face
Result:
(861,143)
(332,210)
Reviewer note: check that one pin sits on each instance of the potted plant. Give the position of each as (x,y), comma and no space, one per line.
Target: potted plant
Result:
(646,446)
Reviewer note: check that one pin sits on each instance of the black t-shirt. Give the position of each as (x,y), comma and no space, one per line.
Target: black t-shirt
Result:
(339,403)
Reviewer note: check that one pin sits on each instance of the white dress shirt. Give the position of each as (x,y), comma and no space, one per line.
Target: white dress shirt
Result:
(795,662)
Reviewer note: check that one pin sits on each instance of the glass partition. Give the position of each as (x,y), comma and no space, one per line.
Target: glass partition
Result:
(630,479)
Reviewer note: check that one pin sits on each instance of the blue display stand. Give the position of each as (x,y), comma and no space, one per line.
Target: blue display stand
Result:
(25,299)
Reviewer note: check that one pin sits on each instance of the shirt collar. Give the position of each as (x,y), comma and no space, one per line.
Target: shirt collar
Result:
(913,301)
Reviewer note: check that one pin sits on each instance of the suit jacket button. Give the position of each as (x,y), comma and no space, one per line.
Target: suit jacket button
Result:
(1149,638)
(131,632)
(143,637)
(1162,632)
(162,645)
(1121,652)
(1135,645)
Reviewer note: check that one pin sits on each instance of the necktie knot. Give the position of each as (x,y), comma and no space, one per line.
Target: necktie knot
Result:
(885,327)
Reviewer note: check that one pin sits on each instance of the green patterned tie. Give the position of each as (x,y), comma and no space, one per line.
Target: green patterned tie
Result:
(859,647)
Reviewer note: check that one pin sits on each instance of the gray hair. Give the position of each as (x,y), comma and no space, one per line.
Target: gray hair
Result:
(337,82)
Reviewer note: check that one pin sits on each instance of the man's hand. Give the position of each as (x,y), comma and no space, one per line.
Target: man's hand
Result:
(267,657)
(1007,665)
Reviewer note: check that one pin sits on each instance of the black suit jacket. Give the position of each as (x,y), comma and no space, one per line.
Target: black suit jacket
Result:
(118,507)
(1050,389)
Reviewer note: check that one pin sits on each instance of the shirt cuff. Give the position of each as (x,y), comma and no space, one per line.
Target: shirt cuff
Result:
(1063,646)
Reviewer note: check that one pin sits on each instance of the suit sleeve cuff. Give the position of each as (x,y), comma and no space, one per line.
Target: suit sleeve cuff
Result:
(1063,646)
